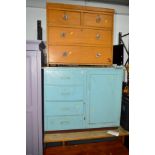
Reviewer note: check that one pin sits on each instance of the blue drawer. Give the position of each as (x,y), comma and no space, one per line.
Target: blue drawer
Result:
(63,93)
(63,77)
(64,122)
(63,108)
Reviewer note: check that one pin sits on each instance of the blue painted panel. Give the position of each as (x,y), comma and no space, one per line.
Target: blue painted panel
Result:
(80,97)
(64,122)
(63,108)
(105,98)
(63,93)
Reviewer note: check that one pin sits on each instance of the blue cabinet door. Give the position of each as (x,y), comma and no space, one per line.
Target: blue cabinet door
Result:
(104,97)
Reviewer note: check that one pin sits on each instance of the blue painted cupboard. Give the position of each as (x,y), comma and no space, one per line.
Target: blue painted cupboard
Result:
(82,97)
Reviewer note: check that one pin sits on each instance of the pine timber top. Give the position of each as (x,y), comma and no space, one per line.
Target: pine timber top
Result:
(78,7)
(83,135)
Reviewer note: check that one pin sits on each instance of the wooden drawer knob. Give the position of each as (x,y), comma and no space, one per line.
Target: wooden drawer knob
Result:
(65,17)
(66,53)
(63,34)
(98,19)
(98,36)
(98,55)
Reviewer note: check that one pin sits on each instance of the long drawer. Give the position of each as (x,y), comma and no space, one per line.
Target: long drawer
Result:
(64,108)
(63,77)
(63,93)
(64,122)
(80,55)
(79,36)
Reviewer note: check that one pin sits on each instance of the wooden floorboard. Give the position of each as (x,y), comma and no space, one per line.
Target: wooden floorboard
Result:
(100,148)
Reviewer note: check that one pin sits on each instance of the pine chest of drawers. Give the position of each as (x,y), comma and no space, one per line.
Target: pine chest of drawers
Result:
(79,35)
(80,98)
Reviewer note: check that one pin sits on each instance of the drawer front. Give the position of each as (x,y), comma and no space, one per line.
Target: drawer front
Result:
(98,20)
(93,36)
(63,93)
(63,108)
(64,35)
(78,36)
(63,77)
(64,123)
(80,55)
(60,17)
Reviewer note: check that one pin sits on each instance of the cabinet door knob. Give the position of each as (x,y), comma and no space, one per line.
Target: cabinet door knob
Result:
(98,36)
(98,19)
(63,34)
(65,17)
(98,55)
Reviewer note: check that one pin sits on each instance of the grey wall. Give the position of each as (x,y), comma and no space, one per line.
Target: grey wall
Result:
(36,10)
(32,15)
(36,3)
(121,17)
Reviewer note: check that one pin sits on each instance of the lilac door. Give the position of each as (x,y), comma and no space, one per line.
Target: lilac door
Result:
(33,104)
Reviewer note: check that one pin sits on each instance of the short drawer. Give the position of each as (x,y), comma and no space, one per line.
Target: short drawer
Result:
(97,36)
(98,20)
(63,77)
(64,123)
(63,93)
(63,108)
(62,17)
(80,55)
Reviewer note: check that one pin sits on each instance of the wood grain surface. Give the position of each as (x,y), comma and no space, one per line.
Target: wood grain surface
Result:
(100,148)
(83,135)
(75,25)
(69,54)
